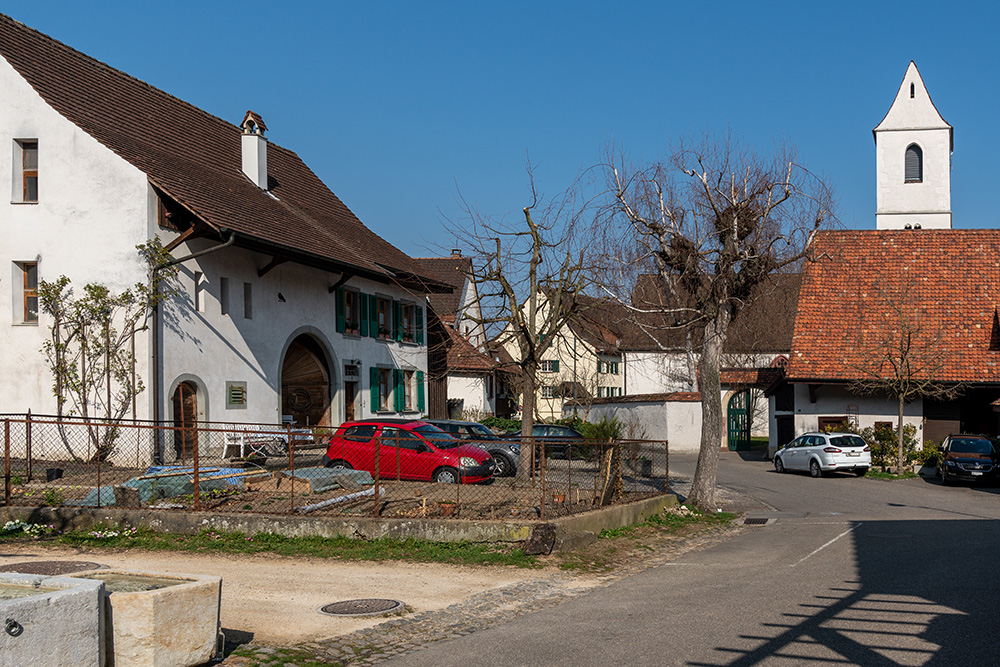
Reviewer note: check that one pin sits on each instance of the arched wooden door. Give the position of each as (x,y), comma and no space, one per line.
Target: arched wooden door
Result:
(738,421)
(185,401)
(305,384)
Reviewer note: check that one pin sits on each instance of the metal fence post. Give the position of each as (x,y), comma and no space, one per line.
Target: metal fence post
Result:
(291,465)
(666,466)
(6,461)
(196,480)
(541,506)
(378,466)
(27,442)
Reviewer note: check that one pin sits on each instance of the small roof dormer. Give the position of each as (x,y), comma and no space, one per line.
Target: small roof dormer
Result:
(254,149)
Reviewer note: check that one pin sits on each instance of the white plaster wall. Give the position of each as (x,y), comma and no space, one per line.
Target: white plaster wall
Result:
(211,348)
(656,373)
(472,391)
(92,212)
(679,423)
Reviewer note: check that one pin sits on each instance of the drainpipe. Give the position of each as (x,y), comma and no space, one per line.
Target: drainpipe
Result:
(157,454)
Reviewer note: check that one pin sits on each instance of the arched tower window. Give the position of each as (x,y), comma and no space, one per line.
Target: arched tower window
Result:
(914,164)
(913,89)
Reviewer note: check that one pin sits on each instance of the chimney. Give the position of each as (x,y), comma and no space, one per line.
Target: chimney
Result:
(456,252)
(254,149)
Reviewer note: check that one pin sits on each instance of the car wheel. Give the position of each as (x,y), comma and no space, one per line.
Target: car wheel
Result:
(779,465)
(446,475)
(861,472)
(339,463)
(505,467)
(814,468)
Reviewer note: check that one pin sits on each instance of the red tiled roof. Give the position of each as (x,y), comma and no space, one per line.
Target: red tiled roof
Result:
(195,158)
(948,279)
(760,377)
(463,355)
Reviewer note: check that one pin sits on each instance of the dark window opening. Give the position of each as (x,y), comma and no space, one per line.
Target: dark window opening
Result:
(914,164)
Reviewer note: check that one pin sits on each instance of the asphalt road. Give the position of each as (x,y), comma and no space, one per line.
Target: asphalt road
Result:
(847,571)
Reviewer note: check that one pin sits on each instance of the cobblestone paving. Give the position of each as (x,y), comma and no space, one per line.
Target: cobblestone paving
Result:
(484,610)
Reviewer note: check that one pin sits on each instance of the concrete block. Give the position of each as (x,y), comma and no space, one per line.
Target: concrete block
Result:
(173,626)
(60,625)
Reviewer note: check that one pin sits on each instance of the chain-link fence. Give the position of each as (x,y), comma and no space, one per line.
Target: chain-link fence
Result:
(269,469)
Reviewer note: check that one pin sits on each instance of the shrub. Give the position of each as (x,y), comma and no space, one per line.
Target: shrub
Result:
(501,424)
(930,455)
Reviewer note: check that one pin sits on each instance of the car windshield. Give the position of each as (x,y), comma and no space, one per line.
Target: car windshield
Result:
(849,441)
(970,446)
(440,439)
(480,432)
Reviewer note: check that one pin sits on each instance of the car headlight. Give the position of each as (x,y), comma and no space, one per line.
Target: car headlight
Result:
(516,449)
(951,464)
(468,462)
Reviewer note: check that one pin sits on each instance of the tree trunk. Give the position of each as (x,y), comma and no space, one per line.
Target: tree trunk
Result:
(527,421)
(703,487)
(900,458)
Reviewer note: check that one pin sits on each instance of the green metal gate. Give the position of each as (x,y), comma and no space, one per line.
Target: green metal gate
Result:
(738,422)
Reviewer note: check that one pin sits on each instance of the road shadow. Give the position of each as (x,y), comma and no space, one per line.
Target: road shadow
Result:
(925,595)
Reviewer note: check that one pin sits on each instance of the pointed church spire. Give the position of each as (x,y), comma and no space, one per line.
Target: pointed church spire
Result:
(913,146)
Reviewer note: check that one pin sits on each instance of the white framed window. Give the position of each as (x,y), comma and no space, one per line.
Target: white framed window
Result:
(608,367)
(25,298)
(224,295)
(549,366)
(248,301)
(199,295)
(408,386)
(548,391)
(25,186)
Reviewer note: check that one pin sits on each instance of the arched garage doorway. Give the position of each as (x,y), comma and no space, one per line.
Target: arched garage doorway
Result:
(738,421)
(305,383)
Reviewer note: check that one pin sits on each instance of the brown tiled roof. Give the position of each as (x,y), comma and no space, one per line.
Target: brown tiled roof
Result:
(195,158)
(951,282)
(762,326)
(453,271)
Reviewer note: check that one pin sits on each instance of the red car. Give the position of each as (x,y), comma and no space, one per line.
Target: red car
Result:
(407,449)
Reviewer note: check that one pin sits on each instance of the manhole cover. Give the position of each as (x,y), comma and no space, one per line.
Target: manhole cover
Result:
(53,568)
(365,607)
(753,521)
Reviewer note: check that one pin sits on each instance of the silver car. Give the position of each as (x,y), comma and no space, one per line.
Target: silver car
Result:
(825,452)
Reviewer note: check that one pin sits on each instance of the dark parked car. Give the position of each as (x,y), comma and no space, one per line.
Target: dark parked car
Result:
(558,440)
(407,449)
(970,458)
(504,451)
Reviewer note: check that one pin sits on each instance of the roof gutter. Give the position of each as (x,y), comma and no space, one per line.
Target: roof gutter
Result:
(158,454)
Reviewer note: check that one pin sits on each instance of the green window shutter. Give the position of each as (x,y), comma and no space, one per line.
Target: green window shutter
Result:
(373,376)
(420,325)
(555,366)
(363,314)
(341,311)
(397,328)
(397,392)
(373,315)
(420,391)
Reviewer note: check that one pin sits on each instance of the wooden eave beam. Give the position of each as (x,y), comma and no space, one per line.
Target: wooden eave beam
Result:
(344,277)
(275,262)
(186,235)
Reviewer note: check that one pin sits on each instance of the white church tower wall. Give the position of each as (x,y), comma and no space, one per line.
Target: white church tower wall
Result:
(913,146)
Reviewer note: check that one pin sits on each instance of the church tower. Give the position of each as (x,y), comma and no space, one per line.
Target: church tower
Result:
(913,146)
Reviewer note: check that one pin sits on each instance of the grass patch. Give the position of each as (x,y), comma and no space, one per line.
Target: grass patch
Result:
(339,548)
(618,546)
(878,474)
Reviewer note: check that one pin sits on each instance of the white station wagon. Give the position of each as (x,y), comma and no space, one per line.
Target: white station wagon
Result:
(823,452)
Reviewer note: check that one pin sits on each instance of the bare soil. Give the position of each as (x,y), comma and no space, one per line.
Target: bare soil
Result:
(274,599)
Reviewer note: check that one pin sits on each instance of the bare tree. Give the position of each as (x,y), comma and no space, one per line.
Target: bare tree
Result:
(905,353)
(528,276)
(712,221)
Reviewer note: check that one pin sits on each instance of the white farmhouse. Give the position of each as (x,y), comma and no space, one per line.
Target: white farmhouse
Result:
(289,307)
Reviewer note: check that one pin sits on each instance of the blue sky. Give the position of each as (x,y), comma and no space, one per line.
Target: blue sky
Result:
(398,105)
